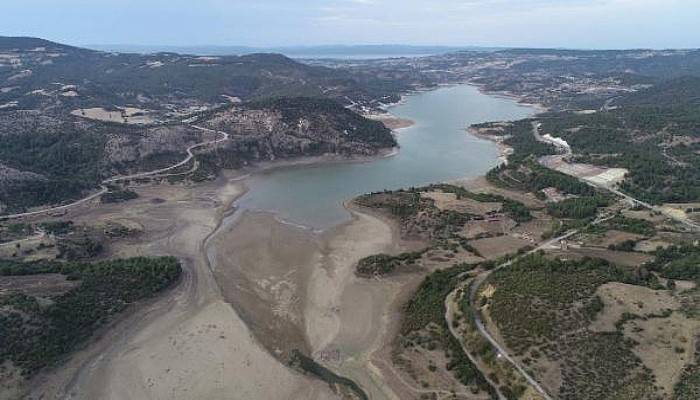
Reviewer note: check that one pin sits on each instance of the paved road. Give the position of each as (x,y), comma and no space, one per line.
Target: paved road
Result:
(449,316)
(610,188)
(104,189)
(482,328)
(479,280)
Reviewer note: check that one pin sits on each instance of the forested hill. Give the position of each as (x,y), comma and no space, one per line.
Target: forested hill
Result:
(20,43)
(683,91)
(71,117)
(36,73)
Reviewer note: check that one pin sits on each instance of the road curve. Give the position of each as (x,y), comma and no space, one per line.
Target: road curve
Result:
(482,328)
(477,315)
(449,317)
(104,189)
(567,152)
(481,278)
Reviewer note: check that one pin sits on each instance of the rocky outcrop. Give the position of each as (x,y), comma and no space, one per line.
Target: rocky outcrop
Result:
(295,127)
(128,149)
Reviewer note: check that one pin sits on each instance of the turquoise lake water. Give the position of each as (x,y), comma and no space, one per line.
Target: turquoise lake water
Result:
(436,149)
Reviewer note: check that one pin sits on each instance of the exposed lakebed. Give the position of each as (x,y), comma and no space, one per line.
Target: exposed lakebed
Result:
(435,149)
(296,289)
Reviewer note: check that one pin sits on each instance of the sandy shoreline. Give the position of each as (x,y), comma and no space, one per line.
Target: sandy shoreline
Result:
(189,343)
(503,149)
(391,121)
(297,289)
(254,289)
(307,284)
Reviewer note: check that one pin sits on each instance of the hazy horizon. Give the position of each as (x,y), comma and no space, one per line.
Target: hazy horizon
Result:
(574,24)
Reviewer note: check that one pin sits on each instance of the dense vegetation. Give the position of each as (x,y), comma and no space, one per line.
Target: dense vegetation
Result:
(118,195)
(543,307)
(39,332)
(426,308)
(382,264)
(577,207)
(519,136)
(67,162)
(652,135)
(631,225)
(308,365)
(532,177)
(56,227)
(678,262)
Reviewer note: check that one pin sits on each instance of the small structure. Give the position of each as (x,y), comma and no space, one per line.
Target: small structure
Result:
(564,244)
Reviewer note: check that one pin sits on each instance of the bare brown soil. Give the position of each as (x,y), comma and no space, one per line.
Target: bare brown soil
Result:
(36,285)
(665,337)
(392,122)
(190,343)
(481,185)
(492,248)
(449,201)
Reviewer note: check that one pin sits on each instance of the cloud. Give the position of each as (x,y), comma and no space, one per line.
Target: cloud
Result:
(539,23)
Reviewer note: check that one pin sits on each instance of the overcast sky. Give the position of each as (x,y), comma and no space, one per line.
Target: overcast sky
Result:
(535,23)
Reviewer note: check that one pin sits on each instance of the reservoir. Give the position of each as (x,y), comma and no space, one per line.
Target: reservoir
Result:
(436,149)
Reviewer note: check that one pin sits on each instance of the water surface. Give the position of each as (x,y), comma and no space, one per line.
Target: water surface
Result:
(436,149)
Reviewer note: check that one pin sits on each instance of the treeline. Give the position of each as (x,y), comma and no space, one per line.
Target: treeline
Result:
(426,307)
(519,136)
(514,209)
(652,135)
(532,177)
(399,203)
(631,225)
(383,264)
(578,207)
(37,335)
(117,194)
(67,164)
(678,262)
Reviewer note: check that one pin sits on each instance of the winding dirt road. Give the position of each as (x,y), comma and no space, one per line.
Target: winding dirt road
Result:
(115,179)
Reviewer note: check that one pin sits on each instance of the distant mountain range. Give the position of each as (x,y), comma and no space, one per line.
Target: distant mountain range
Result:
(326,51)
